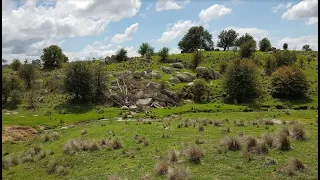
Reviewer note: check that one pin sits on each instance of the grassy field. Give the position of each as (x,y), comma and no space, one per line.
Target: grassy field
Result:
(163,129)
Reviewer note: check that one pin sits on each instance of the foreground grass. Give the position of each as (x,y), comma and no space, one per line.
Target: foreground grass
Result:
(103,163)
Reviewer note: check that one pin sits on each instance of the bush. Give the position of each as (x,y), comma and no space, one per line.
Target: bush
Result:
(194,154)
(15,65)
(10,88)
(285,58)
(285,46)
(199,90)
(231,144)
(27,72)
(197,58)
(31,100)
(264,45)
(121,55)
(53,57)
(297,132)
(283,142)
(270,66)
(247,48)
(241,81)
(289,82)
(223,67)
(163,53)
(179,173)
(145,48)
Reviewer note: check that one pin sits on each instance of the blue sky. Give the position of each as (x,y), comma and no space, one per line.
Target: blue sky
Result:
(97,28)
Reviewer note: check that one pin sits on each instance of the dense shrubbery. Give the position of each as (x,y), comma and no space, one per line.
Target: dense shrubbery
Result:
(285,58)
(15,65)
(198,91)
(121,55)
(163,53)
(197,58)
(11,91)
(241,81)
(248,48)
(270,65)
(289,81)
(53,57)
(27,72)
(265,45)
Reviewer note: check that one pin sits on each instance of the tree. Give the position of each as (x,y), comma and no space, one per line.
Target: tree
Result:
(241,81)
(15,65)
(53,57)
(227,39)
(247,48)
(163,53)
(121,55)
(285,58)
(285,46)
(288,81)
(264,45)
(82,88)
(306,47)
(145,48)
(13,83)
(270,65)
(245,38)
(199,90)
(196,38)
(99,82)
(4,61)
(27,72)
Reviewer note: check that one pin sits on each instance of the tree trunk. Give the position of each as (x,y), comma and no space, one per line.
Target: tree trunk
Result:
(224,49)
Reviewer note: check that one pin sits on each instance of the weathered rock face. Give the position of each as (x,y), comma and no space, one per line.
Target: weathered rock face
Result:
(174,80)
(177,65)
(139,95)
(133,108)
(124,108)
(149,70)
(167,70)
(147,76)
(185,76)
(201,70)
(137,74)
(155,75)
(144,102)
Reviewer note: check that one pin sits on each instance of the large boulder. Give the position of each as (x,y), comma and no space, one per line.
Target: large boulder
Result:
(167,70)
(133,108)
(147,76)
(144,102)
(155,74)
(177,65)
(174,80)
(201,70)
(137,74)
(185,76)
(149,70)
(139,95)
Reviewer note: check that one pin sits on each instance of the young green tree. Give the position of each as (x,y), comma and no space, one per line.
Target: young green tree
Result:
(285,46)
(196,38)
(227,39)
(247,48)
(197,58)
(53,57)
(306,47)
(121,55)
(241,81)
(264,45)
(163,53)
(27,72)
(270,66)
(145,48)
(285,58)
(199,90)
(245,38)
(15,65)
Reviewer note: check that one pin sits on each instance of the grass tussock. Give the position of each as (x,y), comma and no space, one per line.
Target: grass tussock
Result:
(83,132)
(283,142)
(116,177)
(298,132)
(52,136)
(194,153)
(293,166)
(162,167)
(179,173)
(57,167)
(173,155)
(268,139)
(231,143)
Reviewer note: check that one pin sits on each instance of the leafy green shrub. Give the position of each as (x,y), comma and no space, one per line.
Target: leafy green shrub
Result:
(264,45)
(285,58)
(270,65)
(199,91)
(241,81)
(121,55)
(145,48)
(247,48)
(53,57)
(15,65)
(289,82)
(285,46)
(223,67)
(163,53)
(27,72)
(197,58)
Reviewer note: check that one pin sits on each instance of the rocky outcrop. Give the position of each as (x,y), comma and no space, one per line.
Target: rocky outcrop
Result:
(185,76)
(177,65)
(174,80)
(144,102)
(167,70)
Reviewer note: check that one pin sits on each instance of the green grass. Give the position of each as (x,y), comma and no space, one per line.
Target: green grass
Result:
(103,163)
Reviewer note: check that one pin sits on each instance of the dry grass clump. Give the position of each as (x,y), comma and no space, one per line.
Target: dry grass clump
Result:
(293,166)
(225,131)
(57,167)
(268,139)
(9,162)
(240,123)
(231,143)
(162,167)
(194,153)
(267,122)
(173,155)
(115,143)
(217,123)
(201,128)
(262,148)
(116,177)
(50,136)
(251,144)
(297,132)
(179,173)
(84,131)
(198,141)
(283,141)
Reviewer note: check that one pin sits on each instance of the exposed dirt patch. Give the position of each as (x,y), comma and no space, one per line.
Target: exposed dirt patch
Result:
(17,133)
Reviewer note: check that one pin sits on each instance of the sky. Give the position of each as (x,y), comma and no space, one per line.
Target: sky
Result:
(87,29)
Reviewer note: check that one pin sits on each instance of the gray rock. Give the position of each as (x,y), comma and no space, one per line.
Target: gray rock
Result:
(217,75)
(147,76)
(149,70)
(201,70)
(177,65)
(167,70)
(137,74)
(185,76)
(139,95)
(156,104)
(124,108)
(144,102)
(174,80)
(190,84)
(155,75)
(187,101)
(133,108)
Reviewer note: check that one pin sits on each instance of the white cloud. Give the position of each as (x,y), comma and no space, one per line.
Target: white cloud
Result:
(171,4)
(312,20)
(127,36)
(304,9)
(256,33)
(34,25)
(149,7)
(298,42)
(174,51)
(97,50)
(214,12)
(281,6)
(143,15)
(176,30)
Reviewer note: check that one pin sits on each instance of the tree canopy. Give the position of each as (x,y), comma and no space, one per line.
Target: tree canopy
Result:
(227,39)
(245,38)
(306,47)
(264,45)
(196,38)
(53,57)
(145,48)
